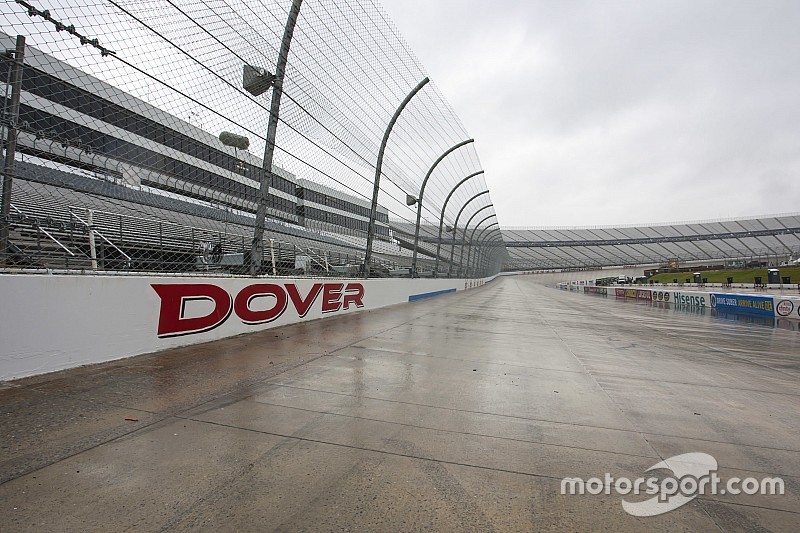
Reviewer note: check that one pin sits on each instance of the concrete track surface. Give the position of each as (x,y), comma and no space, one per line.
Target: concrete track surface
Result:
(461,412)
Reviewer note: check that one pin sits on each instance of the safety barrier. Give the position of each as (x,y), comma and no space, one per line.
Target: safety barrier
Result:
(55,322)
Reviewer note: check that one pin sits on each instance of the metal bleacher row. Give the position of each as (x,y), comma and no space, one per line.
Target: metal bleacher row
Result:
(140,230)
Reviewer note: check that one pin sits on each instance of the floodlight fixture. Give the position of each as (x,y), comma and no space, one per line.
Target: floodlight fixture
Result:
(256,80)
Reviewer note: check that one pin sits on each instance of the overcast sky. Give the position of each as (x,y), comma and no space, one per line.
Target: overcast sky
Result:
(600,112)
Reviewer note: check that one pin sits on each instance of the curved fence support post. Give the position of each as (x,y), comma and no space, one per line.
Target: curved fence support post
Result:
(373,212)
(455,231)
(478,238)
(466,226)
(422,194)
(486,255)
(441,218)
(257,247)
(471,237)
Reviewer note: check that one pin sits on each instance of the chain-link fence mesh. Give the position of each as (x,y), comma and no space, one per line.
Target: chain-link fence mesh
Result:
(134,133)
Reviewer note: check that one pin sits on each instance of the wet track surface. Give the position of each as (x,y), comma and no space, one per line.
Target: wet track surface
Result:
(462,412)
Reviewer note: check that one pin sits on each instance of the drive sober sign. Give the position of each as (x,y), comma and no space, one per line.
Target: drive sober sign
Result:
(756,305)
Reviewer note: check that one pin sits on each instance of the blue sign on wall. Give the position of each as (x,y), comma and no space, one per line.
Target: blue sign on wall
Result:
(741,303)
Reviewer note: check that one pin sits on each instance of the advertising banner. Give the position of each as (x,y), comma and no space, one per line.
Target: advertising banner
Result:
(596,290)
(644,294)
(785,308)
(691,299)
(661,296)
(781,306)
(743,303)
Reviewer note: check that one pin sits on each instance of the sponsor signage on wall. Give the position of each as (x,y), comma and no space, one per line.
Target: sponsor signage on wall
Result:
(742,303)
(633,294)
(690,300)
(661,296)
(596,290)
(255,304)
(644,295)
(752,304)
(785,308)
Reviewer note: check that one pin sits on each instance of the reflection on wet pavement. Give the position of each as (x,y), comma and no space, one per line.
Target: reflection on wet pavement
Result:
(463,411)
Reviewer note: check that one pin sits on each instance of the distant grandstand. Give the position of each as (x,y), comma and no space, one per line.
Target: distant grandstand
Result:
(764,240)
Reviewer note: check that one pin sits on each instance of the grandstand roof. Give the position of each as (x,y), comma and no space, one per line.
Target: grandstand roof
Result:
(759,237)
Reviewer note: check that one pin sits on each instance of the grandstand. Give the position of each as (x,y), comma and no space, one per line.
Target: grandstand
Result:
(160,190)
(769,239)
(142,231)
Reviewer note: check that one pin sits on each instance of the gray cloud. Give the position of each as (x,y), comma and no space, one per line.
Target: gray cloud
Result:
(620,112)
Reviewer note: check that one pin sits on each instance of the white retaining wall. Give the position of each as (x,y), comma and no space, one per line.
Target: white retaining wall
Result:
(54,322)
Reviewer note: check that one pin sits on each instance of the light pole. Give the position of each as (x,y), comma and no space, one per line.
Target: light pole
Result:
(257,83)
(11,145)
(422,194)
(466,226)
(373,212)
(441,218)
(471,236)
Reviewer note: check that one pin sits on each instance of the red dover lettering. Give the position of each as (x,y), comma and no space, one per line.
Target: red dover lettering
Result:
(172,320)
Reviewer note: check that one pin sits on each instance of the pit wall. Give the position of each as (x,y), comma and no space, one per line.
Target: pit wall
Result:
(764,305)
(55,322)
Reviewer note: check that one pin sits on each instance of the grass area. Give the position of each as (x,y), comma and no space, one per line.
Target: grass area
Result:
(720,276)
